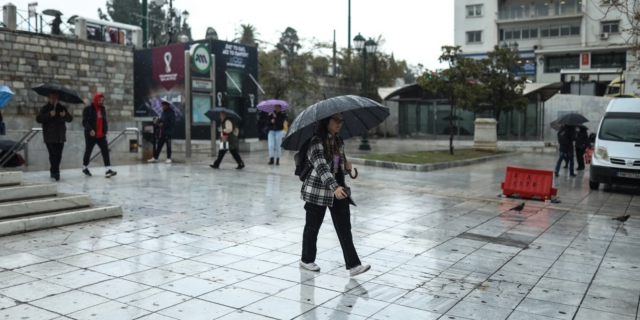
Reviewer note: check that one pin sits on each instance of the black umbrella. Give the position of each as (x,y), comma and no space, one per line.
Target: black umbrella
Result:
(214,114)
(6,145)
(360,115)
(572,119)
(64,94)
(51,12)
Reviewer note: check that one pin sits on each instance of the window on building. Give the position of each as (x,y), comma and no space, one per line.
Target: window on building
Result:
(525,33)
(508,35)
(553,64)
(559,31)
(474,10)
(544,32)
(533,32)
(611,27)
(565,30)
(474,36)
(575,30)
(516,34)
(609,60)
(609,1)
(554,31)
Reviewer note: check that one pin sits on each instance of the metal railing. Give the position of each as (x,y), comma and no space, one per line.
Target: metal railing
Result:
(116,138)
(39,24)
(22,144)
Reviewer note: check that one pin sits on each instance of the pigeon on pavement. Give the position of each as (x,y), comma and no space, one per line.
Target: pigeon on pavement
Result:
(517,208)
(622,218)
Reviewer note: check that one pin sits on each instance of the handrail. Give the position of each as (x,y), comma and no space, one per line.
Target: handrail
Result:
(118,137)
(27,137)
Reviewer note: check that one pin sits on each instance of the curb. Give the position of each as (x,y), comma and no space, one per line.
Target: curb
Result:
(431,166)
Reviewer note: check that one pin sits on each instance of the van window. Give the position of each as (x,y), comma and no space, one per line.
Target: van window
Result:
(621,127)
(613,90)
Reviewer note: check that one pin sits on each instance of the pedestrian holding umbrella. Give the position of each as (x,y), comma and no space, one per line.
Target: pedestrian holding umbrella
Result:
(276,123)
(228,135)
(214,114)
(322,128)
(54,118)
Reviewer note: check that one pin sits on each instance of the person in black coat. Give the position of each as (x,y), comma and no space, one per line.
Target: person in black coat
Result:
(276,121)
(582,143)
(53,117)
(165,123)
(566,137)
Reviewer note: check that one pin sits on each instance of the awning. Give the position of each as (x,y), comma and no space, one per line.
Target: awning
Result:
(546,90)
(387,93)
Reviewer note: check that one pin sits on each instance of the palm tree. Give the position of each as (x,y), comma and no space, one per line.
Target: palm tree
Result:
(247,35)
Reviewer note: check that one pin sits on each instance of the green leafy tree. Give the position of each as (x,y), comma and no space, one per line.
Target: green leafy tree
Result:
(456,84)
(247,35)
(123,11)
(501,88)
(281,74)
(382,69)
(289,42)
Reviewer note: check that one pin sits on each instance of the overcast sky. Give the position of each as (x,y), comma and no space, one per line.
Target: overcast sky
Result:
(414,30)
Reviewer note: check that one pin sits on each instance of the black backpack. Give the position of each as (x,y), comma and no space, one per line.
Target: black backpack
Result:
(303,167)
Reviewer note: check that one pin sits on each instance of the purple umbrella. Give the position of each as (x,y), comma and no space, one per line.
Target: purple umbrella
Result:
(156,105)
(270,105)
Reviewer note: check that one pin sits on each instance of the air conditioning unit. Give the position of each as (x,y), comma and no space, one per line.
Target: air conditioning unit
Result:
(604,36)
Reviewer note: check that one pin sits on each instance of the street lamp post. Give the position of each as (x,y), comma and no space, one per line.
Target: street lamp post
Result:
(364,46)
(170,23)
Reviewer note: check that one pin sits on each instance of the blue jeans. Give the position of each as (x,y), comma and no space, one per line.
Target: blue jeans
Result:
(561,157)
(275,139)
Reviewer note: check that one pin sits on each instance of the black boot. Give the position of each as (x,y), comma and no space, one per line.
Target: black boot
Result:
(240,165)
(271,161)
(278,162)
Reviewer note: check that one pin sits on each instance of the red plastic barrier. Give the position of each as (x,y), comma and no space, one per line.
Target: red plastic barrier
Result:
(588,155)
(529,183)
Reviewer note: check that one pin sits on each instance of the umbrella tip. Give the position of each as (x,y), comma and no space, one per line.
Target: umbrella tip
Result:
(324,95)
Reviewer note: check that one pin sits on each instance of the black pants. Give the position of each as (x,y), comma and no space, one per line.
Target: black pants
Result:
(55,156)
(341,216)
(234,153)
(161,141)
(104,149)
(580,157)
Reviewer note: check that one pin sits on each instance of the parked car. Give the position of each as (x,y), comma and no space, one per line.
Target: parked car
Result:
(616,160)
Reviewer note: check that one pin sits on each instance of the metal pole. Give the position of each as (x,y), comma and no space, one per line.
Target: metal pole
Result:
(335,71)
(187,104)
(364,143)
(212,74)
(170,33)
(145,23)
(349,35)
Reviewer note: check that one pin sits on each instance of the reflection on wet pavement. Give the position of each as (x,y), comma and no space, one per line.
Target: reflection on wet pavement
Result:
(201,244)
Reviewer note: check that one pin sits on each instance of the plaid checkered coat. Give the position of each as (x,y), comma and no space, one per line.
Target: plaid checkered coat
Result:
(321,182)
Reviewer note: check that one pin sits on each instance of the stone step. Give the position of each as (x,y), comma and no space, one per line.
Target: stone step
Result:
(57,219)
(27,191)
(10,178)
(59,202)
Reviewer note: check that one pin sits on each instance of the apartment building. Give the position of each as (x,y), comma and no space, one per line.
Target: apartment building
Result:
(576,42)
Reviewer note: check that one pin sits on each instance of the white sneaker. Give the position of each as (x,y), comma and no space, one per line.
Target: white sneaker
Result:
(359,270)
(152,160)
(168,161)
(310,266)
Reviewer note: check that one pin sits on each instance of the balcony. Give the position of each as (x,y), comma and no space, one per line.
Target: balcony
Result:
(517,13)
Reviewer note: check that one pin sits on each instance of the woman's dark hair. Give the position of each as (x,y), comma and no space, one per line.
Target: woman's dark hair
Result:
(323,132)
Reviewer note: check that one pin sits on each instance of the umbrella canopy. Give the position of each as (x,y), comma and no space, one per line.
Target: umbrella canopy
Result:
(5,96)
(360,115)
(64,94)
(156,105)
(572,119)
(51,12)
(556,126)
(6,145)
(214,114)
(72,20)
(270,105)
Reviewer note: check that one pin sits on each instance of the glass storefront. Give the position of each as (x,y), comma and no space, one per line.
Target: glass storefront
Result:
(432,118)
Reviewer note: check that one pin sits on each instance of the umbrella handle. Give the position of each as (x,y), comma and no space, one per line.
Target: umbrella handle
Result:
(354,177)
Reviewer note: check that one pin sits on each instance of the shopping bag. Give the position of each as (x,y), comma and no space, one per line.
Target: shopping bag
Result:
(588,155)
(224,142)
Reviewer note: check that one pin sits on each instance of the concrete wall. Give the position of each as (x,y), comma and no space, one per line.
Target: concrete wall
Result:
(593,108)
(28,59)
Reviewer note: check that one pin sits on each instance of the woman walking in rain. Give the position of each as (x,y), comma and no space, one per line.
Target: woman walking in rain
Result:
(228,131)
(325,187)
(276,132)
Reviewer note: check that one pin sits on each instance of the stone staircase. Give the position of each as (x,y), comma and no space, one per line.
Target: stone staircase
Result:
(31,206)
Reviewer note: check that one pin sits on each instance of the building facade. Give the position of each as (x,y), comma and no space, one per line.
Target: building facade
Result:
(576,42)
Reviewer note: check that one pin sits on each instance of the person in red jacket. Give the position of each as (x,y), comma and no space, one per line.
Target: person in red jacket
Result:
(94,121)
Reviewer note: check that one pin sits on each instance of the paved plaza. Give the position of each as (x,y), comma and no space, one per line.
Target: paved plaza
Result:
(195,243)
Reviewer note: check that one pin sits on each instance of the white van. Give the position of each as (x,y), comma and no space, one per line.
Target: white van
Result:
(616,159)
